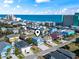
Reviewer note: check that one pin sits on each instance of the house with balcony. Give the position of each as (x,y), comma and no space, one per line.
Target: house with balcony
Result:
(37,40)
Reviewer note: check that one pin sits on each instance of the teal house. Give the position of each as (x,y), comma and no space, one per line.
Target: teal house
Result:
(67,32)
(4,46)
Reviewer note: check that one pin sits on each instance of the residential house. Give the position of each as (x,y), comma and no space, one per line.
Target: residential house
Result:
(13,37)
(56,35)
(15,31)
(23,37)
(4,46)
(67,53)
(23,46)
(3,29)
(76,28)
(67,32)
(52,30)
(37,40)
(60,54)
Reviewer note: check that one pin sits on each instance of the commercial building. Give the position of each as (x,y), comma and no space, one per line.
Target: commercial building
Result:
(76,19)
(68,20)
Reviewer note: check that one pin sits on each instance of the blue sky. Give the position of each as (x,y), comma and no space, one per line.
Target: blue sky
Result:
(39,6)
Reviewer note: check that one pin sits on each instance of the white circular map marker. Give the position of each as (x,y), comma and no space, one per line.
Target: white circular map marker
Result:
(37,32)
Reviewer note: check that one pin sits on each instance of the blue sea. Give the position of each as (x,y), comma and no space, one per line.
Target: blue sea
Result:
(40,18)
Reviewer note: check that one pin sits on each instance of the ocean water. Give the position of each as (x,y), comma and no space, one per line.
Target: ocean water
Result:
(40,18)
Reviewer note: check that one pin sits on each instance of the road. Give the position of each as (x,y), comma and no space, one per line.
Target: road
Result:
(31,57)
(3,58)
(42,53)
(14,56)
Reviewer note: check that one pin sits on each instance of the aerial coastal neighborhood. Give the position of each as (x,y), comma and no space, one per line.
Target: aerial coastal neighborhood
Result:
(57,38)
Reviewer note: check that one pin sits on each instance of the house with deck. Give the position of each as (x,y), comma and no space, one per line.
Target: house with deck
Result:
(37,40)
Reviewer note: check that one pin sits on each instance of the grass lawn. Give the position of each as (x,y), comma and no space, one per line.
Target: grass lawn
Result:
(47,45)
(73,47)
(40,57)
(35,49)
(20,56)
(57,41)
(0,57)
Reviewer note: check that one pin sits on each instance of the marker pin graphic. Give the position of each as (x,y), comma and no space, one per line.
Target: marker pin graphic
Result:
(37,32)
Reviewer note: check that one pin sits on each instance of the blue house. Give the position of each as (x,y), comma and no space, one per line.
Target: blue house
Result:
(67,32)
(4,46)
(52,30)
(37,40)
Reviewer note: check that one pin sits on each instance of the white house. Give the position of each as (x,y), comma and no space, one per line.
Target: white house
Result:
(26,50)
(23,47)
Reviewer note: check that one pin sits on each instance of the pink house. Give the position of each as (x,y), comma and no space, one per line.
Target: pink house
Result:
(55,35)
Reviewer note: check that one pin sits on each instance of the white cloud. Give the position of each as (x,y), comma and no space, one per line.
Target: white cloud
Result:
(41,1)
(67,11)
(77,10)
(18,10)
(0,8)
(18,6)
(8,1)
(6,5)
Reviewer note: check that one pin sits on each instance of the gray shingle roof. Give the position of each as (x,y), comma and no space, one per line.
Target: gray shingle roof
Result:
(58,55)
(21,44)
(12,35)
(67,53)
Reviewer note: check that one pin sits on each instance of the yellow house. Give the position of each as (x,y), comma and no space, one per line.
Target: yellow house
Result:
(13,37)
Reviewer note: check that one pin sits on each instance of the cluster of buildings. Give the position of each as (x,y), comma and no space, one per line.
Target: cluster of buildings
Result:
(61,26)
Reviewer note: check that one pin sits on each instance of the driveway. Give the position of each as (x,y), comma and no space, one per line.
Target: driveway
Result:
(43,47)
